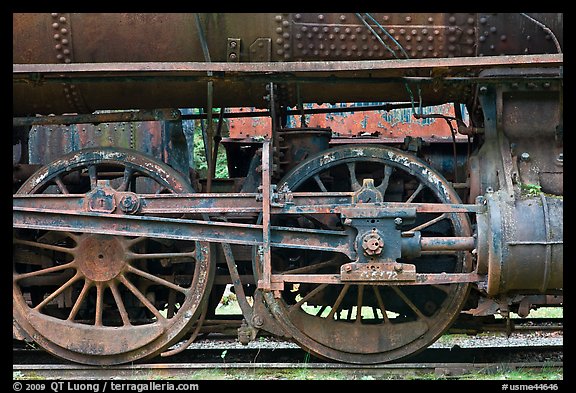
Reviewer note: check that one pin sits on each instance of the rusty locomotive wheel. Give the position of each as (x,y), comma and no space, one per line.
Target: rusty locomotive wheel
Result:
(102,299)
(366,323)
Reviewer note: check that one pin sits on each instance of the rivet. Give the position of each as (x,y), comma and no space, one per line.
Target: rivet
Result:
(503,37)
(402,31)
(64,31)
(343,46)
(297,16)
(418,38)
(320,17)
(279,30)
(304,51)
(430,19)
(493,29)
(342,37)
(364,37)
(332,46)
(436,32)
(311,46)
(62,19)
(56,36)
(66,51)
(470,20)
(64,41)
(67,60)
(397,37)
(336,30)
(315,52)
(408,37)
(452,19)
(347,30)
(353,36)
(278,18)
(299,45)
(408,47)
(358,29)
(470,31)
(413,53)
(315,29)
(354,47)
(469,51)
(430,38)
(482,38)
(320,36)
(54,15)
(331,36)
(304,28)
(414,31)
(59,56)
(391,31)
(424,31)
(286,45)
(279,40)
(280,51)
(470,41)
(58,47)
(55,25)
(342,17)
(492,47)
(483,20)
(451,48)
(325,29)
(452,39)
(408,19)
(286,35)
(386,18)
(430,47)
(419,48)
(285,23)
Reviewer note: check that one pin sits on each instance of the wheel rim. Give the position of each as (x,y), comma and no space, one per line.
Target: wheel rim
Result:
(369,324)
(104,299)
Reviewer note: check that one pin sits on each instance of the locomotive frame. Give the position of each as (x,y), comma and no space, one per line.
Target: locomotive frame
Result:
(361,253)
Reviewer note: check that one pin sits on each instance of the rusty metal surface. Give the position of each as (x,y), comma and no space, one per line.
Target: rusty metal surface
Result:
(62,280)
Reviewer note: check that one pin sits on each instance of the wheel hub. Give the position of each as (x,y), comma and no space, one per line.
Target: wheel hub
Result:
(99,257)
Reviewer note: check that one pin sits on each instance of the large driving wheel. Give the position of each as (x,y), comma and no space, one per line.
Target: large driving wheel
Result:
(103,299)
(365,323)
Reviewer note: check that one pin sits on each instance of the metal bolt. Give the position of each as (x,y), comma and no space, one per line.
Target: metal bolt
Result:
(483,89)
(525,156)
(398,221)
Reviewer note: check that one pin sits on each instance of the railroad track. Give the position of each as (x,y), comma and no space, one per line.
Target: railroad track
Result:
(449,362)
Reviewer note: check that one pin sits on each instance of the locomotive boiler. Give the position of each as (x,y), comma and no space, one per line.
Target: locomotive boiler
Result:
(361,246)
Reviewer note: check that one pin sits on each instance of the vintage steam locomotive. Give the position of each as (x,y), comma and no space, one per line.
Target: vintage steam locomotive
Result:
(362,248)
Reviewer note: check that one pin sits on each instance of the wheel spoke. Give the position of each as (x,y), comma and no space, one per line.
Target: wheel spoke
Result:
(429,223)
(316,290)
(99,303)
(57,292)
(320,184)
(161,255)
(359,302)
(141,297)
(408,302)
(156,279)
(415,193)
(353,181)
(380,304)
(61,185)
(92,173)
(128,172)
(79,300)
(48,270)
(338,301)
(119,303)
(384,185)
(51,247)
